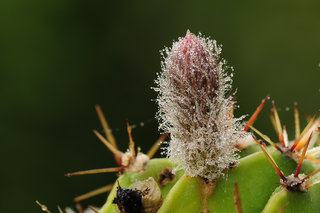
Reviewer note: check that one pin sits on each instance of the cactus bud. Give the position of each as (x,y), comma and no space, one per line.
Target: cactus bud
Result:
(194,108)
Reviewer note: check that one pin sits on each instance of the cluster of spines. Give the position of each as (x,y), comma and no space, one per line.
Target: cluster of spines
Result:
(302,139)
(293,149)
(125,161)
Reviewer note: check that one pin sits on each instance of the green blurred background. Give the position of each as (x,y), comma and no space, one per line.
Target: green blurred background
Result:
(59,58)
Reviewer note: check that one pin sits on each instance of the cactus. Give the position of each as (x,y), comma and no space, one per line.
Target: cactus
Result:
(206,139)
(214,164)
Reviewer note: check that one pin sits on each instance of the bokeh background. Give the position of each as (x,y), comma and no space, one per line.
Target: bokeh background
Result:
(59,58)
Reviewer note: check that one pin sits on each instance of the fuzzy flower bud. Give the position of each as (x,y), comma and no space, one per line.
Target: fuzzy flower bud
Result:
(194,108)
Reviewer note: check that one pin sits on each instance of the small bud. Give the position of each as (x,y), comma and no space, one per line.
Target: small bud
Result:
(194,109)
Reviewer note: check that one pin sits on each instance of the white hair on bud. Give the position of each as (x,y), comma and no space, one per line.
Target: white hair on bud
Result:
(195,109)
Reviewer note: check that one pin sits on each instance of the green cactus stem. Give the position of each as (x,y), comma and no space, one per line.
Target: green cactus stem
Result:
(256,180)
(294,201)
